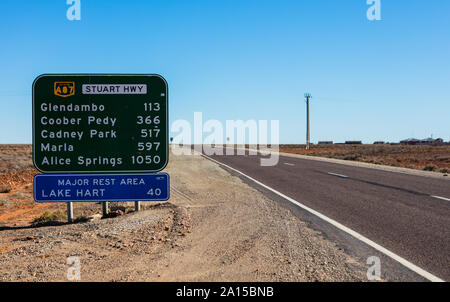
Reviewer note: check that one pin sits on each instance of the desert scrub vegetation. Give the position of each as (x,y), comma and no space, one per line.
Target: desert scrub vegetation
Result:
(430,168)
(48,218)
(5,189)
(15,159)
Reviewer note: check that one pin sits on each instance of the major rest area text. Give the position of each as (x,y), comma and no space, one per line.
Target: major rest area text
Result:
(89,192)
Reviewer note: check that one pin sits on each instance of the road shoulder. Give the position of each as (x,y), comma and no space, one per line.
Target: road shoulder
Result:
(214,228)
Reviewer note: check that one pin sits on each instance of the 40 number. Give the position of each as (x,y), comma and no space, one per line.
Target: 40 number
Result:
(156,192)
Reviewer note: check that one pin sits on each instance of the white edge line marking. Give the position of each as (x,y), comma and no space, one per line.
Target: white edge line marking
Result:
(342,227)
(439,197)
(339,175)
(289,164)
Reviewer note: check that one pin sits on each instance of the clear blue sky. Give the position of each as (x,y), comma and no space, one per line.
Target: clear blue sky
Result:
(246,59)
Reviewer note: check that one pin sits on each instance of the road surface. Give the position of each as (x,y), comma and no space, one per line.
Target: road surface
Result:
(406,214)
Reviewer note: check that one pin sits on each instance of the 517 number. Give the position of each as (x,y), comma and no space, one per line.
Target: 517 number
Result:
(148,133)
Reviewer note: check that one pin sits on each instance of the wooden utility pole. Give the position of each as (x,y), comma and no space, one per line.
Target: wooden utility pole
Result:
(307,96)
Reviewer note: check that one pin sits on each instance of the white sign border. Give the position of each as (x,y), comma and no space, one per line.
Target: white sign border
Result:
(99,174)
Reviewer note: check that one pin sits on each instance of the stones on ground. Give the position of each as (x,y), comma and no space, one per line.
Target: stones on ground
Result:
(5,189)
(94,217)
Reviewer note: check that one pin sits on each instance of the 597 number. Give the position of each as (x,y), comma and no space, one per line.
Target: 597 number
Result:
(148,146)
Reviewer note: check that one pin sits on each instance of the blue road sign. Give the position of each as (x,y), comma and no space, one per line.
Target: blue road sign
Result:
(101,187)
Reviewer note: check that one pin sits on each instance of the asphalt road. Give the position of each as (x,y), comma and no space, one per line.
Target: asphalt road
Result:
(395,210)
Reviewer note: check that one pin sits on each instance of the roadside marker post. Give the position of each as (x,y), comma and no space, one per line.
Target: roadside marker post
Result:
(99,123)
(137,206)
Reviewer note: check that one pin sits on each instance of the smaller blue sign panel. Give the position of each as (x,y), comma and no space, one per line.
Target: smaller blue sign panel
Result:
(101,187)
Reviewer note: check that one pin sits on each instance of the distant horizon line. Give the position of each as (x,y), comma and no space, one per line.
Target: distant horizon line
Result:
(281,144)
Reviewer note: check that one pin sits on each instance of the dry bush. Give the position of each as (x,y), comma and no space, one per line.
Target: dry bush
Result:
(430,168)
(48,218)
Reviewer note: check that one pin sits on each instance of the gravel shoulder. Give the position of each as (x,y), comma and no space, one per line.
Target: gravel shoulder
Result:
(214,228)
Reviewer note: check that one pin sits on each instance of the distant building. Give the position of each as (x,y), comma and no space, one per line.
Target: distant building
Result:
(379,143)
(353,142)
(410,141)
(325,143)
(431,141)
(422,142)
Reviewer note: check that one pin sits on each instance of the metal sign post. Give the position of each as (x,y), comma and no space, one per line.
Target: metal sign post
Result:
(105,209)
(137,206)
(70,212)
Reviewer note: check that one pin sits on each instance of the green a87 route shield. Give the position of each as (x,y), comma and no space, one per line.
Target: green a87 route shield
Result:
(100,123)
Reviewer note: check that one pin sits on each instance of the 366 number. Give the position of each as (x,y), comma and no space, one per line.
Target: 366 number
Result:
(148,120)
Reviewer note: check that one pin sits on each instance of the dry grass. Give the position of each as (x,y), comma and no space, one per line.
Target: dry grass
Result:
(17,206)
(16,165)
(47,218)
(15,158)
